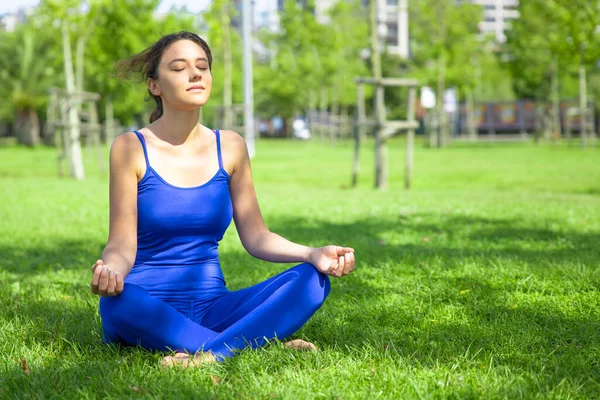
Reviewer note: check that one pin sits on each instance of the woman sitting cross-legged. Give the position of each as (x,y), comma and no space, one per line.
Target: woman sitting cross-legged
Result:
(175,186)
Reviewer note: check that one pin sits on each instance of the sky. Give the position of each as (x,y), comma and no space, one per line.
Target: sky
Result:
(192,5)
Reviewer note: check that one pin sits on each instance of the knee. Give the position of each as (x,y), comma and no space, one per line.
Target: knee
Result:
(317,284)
(118,308)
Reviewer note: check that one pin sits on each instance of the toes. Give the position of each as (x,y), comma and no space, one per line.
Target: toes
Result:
(185,360)
(177,359)
(299,344)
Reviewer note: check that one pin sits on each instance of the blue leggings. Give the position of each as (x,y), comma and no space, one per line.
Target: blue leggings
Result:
(188,308)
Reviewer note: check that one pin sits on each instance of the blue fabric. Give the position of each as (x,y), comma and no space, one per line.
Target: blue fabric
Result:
(175,297)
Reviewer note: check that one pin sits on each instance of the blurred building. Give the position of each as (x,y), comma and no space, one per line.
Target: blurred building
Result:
(392,14)
(393,22)
(497,16)
(9,21)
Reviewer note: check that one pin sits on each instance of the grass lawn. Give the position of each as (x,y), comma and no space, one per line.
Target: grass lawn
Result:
(481,282)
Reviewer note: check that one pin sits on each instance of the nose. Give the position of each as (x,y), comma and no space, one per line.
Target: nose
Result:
(196,75)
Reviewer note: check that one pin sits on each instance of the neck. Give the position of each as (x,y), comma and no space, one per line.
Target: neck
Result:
(177,126)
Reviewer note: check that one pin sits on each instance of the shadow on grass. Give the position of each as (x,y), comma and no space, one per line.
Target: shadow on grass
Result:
(50,256)
(482,328)
(526,337)
(451,237)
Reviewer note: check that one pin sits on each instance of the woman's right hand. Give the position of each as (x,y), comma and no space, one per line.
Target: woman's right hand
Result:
(105,282)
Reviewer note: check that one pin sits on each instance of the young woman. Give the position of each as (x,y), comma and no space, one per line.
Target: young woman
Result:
(175,186)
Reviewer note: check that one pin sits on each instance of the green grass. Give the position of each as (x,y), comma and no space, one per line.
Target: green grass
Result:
(481,282)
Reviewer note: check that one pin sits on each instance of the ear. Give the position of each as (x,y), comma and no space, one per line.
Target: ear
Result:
(153,87)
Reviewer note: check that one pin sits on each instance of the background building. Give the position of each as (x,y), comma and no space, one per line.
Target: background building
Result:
(497,16)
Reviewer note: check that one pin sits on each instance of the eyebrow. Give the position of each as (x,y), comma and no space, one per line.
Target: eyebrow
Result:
(184,60)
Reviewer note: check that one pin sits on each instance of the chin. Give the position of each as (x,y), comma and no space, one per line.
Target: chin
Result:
(192,105)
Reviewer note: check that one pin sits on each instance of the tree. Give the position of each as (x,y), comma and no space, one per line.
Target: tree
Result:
(554,39)
(289,79)
(582,21)
(304,71)
(445,40)
(26,70)
(348,35)
(226,46)
(124,28)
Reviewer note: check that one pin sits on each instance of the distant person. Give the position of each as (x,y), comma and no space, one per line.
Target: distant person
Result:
(301,129)
(277,125)
(175,186)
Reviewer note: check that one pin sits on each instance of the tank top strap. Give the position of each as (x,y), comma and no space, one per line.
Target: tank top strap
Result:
(218,134)
(143,141)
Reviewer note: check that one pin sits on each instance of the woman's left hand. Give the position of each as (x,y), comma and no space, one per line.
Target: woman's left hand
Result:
(335,261)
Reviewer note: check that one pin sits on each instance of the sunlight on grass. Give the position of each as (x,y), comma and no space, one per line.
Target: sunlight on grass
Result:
(481,282)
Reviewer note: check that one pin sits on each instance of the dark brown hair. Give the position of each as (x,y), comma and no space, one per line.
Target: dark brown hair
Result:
(146,63)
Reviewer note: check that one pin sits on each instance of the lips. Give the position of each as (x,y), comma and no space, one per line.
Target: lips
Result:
(195,88)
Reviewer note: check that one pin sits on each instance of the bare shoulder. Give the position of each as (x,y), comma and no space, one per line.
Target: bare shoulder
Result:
(125,142)
(233,147)
(232,139)
(126,152)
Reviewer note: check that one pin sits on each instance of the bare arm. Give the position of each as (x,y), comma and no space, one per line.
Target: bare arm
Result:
(254,234)
(120,251)
(256,237)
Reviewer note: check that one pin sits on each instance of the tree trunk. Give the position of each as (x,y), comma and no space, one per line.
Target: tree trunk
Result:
(441,113)
(381,171)
(358,131)
(73,145)
(323,112)
(381,151)
(28,127)
(109,122)
(471,128)
(80,54)
(344,123)
(583,104)
(568,124)
(227,68)
(441,82)
(410,138)
(556,129)
(334,127)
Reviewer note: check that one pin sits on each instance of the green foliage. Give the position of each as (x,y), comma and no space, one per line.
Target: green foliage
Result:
(125,28)
(442,29)
(308,56)
(214,34)
(552,31)
(119,29)
(347,35)
(28,69)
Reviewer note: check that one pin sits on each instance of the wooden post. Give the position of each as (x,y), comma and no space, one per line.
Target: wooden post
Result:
(383,128)
(333,121)
(469,114)
(323,112)
(358,131)
(73,145)
(591,129)
(582,104)
(94,131)
(410,138)
(381,172)
(555,101)
(568,128)
(109,122)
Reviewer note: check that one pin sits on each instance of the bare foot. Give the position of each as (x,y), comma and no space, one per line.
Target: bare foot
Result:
(188,360)
(299,344)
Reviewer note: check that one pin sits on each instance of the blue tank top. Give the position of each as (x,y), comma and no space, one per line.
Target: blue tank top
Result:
(180,226)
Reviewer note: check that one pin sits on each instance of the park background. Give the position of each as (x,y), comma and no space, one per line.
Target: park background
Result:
(481,281)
